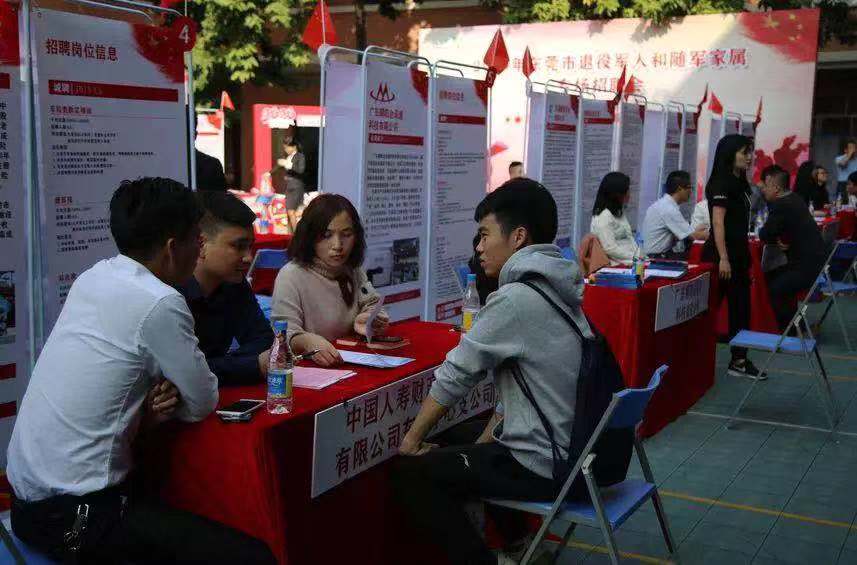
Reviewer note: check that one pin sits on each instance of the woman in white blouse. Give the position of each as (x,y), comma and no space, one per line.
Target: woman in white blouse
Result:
(609,221)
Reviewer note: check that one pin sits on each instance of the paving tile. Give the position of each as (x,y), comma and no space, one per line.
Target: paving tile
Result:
(763,482)
(766,500)
(730,538)
(815,533)
(704,554)
(790,550)
(847,557)
(811,508)
(752,521)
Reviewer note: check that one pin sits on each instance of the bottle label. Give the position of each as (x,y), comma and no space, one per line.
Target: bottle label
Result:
(280,383)
(467,320)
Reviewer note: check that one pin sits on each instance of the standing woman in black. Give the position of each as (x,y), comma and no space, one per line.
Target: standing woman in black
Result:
(728,194)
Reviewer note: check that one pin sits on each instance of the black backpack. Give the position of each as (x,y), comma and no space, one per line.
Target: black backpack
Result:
(599,377)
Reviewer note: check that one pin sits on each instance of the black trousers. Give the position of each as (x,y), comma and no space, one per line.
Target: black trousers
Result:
(783,285)
(145,532)
(737,291)
(433,489)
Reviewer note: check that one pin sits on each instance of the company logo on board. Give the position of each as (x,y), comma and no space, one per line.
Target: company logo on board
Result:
(382,93)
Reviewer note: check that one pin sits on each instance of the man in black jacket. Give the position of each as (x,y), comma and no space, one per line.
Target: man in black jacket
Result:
(792,227)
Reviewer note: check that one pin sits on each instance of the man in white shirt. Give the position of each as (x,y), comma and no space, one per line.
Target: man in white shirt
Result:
(664,229)
(122,354)
(846,165)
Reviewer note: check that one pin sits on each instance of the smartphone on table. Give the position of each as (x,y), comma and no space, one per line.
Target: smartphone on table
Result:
(240,411)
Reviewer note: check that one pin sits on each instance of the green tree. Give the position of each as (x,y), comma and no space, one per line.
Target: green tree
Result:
(834,20)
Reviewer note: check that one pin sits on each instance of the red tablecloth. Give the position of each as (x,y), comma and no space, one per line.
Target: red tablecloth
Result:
(627,319)
(762,318)
(271,241)
(847,224)
(256,476)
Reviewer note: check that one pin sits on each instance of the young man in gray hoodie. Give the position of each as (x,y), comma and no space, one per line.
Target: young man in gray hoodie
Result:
(513,457)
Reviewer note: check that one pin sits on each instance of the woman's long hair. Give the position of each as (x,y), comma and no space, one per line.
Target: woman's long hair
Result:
(724,159)
(805,181)
(611,194)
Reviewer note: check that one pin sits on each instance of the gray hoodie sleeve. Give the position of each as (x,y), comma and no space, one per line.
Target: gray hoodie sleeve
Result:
(493,338)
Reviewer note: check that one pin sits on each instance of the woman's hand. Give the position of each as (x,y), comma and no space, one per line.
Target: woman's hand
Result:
(327,354)
(725,269)
(379,325)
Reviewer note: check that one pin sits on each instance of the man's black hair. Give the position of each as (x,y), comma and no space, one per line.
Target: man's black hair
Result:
(780,177)
(222,209)
(514,164)
(676,180)
(146,212)
(524,203)
(853,177)
(770,170)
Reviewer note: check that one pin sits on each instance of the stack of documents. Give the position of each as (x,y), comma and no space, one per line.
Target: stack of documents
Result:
(317,379)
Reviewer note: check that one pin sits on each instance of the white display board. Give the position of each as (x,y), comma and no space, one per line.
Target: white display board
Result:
(716,128)
(211,135)
(341,146)
(393,198)
(356,435)
(458,178)
(748,127)
(680,302)
(14,233)
(559,162)
(732,125)
(629,152)
(108,108)
(534,148)
(651,170)
(596,152)
(672,144)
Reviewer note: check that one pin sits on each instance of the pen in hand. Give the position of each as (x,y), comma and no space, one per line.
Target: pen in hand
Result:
(307,355)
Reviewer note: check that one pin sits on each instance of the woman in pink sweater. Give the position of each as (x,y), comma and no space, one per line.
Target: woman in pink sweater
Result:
(323,293)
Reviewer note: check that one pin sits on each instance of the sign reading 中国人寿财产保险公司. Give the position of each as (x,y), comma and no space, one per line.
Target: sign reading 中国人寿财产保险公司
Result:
(109,107)
(682,301)
(357,434)
(459,182)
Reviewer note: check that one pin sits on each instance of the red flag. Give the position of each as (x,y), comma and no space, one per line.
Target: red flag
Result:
(319,29)
(758,119)
(527,66)
(631,87)
(715,106)
(226,101)
(704,99)
(170,3)
(497,57)
(620,87)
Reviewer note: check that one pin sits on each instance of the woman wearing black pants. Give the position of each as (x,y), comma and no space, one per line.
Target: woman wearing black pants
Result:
(728,194)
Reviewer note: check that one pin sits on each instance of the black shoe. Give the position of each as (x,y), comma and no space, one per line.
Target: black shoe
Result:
(745,368)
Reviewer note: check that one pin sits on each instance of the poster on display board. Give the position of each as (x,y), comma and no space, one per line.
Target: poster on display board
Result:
(393,195)
(340,135)
(650,168)
(459,177)
(748,127)
(595,157)
(629,152)
(14,227)
(559,162)
(732,125)
(689,155)
(109,107)
(211,135)
(716,128)
(672,144)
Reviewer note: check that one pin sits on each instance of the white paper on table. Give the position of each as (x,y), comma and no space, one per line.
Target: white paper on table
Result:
(317,379)
(664,274)
(614,270)
(373,313)
(373,359)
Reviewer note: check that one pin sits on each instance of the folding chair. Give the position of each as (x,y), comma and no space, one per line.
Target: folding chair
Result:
(832,289)
(610,507)
(805,345)
(267,261)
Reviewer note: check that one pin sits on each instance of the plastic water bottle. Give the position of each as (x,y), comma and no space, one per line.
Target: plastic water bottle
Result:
(281,369)
(471,304)
(760,221)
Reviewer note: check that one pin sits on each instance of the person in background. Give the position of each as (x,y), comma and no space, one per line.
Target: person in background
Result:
(288,179)
(323,293)
(102,375)
(513,457)
(728,196)
(516,170)
(700,218)
(665,231)
(806,186)
(793,229)
(822,195)
(846,164)
(209,172)
(849,197)
(609,222)
(485,285)
(221,301)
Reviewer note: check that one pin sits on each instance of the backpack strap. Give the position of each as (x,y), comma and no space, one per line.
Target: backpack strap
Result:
(529,282)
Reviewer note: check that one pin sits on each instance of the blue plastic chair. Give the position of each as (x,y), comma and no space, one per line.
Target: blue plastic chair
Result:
(804,345)
(612,506)
(265,304)
(568,253)
(832,289)
(267,259)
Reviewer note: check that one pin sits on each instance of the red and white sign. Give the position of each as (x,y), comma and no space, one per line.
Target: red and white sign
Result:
(15,196)
(109,107)
(458,182)
(682,301)
(358,434)
(596,156)
(629,152)
(559,161)
(689,152)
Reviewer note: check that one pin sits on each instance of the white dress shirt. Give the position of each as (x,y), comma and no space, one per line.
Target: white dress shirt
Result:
(120,330)
(664,227)
(845,166)
(700,217)
(615,236)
